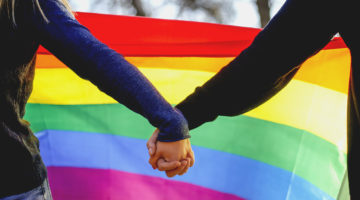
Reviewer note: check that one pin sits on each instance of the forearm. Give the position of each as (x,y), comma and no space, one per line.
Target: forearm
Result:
(236,89)
(126,84)
(264,68)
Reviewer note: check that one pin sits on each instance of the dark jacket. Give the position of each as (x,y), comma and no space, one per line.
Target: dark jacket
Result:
(299,30)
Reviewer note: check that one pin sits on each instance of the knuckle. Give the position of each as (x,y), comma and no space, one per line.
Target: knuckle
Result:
(151,162)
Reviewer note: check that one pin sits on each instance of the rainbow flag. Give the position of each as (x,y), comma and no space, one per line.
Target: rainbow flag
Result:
(291,147)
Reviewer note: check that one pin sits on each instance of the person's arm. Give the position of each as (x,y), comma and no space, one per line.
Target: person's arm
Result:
(296,32)
(76,47)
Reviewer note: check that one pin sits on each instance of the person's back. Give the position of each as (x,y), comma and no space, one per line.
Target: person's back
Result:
(19,153)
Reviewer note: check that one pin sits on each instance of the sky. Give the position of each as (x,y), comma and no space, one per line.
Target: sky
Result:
(246,11)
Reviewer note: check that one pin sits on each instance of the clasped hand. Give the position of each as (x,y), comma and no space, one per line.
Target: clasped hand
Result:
(174,158)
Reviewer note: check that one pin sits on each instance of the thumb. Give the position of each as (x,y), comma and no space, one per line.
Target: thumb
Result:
(151,143)
(151,148)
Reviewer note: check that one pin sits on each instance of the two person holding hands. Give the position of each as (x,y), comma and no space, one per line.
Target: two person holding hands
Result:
(257,74)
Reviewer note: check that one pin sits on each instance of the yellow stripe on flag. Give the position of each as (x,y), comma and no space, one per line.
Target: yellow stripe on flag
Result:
(301,105)
(329,68)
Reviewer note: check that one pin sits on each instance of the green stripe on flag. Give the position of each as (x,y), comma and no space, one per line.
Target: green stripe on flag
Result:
(295,150)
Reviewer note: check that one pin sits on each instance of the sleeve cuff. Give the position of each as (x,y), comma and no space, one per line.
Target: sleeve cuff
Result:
(175,129)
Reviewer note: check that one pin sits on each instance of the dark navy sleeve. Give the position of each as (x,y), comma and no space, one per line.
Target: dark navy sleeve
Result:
(295,33)
(76,47)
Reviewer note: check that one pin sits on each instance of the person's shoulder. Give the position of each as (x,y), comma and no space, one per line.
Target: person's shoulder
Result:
(57,7)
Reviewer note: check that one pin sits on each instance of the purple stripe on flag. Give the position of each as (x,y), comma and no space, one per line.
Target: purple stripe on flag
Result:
(83,184)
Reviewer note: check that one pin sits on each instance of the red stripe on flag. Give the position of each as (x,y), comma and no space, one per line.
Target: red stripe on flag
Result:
(142,36)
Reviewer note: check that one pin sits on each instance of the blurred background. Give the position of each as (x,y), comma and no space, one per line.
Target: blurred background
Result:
(248,13)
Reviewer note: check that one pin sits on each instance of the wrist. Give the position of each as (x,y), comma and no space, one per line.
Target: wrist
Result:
(174,128)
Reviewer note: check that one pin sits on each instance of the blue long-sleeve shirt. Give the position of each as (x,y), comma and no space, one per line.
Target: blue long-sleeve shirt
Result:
(21,167)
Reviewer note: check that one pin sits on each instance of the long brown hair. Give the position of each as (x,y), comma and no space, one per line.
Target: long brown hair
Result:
(9,7)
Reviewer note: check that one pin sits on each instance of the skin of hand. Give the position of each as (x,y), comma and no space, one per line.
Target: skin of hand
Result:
(172,157)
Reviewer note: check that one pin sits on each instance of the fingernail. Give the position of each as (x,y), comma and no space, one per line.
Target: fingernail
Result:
(150,151)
